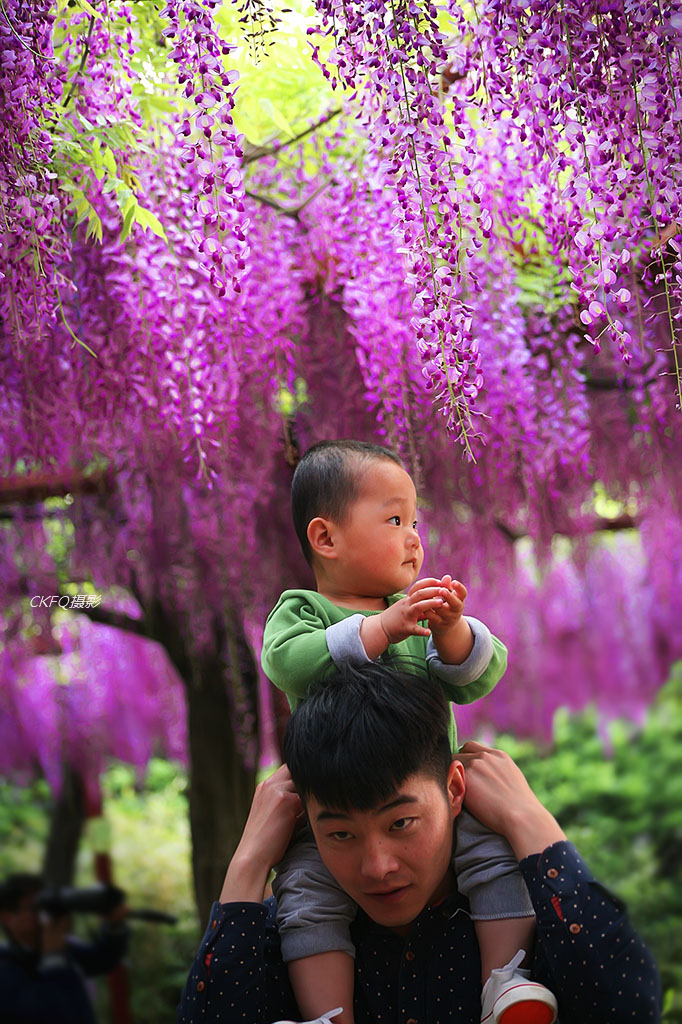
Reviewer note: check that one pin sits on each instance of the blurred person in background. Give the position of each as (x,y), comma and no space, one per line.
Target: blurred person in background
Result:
(42,967)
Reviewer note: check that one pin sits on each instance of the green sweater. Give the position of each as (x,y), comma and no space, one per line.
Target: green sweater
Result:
(297,655)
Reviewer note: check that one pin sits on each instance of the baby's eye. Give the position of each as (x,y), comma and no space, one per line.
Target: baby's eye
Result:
(415,525)
(395,519)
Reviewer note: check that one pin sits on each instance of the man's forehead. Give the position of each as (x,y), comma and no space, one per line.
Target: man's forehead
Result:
(411,792)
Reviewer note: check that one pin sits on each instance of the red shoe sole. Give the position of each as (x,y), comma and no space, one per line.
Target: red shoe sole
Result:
(529,1012)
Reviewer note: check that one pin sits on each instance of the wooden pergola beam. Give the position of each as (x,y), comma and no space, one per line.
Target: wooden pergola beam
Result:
(29,488)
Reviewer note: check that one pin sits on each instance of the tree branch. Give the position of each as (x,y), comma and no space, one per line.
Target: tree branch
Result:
(119,620)
(84,57)
(597,524)
(262,151)
(289,211)
(25,489)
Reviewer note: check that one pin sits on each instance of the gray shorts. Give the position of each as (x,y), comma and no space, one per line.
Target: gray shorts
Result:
(314,913)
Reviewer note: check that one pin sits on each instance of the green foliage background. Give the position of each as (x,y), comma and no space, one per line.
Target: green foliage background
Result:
(619,797)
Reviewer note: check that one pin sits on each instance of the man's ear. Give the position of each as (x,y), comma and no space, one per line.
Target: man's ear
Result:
(320,538)
(456,787)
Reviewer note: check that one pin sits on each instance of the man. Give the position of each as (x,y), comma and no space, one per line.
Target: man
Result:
(42,968)
(368,753)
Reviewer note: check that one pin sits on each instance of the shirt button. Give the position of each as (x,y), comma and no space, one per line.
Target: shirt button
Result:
(201,985)
(575,928)
(409,956)
(552,873)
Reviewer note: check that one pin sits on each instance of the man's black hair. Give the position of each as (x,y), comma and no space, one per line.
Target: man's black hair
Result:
(360,734)
(326,484)
(15,889)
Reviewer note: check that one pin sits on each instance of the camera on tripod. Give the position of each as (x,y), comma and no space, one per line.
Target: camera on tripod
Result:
(91,899)
(94,899)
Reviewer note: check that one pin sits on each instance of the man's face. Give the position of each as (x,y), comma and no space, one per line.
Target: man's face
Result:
(395,859)
(378,548)
(23,924)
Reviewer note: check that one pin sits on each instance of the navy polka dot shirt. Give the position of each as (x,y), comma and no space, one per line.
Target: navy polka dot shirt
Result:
(586,951)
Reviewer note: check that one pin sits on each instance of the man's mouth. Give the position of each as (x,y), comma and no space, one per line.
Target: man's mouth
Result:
(389,895)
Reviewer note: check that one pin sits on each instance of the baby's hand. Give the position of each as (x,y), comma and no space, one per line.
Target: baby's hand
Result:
(402,619)
(448,614)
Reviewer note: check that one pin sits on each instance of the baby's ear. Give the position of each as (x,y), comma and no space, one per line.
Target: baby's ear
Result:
(320,538)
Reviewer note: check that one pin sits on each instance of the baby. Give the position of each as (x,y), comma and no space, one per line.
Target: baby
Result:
(355,513)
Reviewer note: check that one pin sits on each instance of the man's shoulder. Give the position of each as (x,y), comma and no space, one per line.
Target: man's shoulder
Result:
(16,963)
(244,914)
(11,952)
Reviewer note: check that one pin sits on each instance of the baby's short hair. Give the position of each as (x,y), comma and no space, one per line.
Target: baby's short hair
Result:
(326,484)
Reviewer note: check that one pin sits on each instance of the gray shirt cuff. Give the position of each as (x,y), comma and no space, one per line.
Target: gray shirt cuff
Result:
(474,666)
(344,643)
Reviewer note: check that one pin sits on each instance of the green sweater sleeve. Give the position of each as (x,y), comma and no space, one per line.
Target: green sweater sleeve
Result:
(477,688)
(295,652)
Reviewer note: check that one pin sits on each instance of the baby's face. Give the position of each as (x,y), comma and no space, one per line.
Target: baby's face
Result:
(380,552)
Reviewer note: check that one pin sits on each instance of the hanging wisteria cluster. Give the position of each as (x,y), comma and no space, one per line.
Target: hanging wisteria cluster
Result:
(211,142)
(58,711)
(32,227)
(560,121)
(500,267)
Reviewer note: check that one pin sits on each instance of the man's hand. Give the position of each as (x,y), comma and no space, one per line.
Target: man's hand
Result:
(275,811)
(499,796)
(54,931)
(117,916)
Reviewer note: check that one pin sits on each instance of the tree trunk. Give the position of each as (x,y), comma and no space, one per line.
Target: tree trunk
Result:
(66,826)
(220,787)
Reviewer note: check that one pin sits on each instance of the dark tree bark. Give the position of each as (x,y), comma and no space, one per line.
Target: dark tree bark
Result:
(66,827)
(220,788)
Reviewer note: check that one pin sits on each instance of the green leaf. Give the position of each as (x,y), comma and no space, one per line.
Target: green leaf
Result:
(109,162)
(277,116)
(82,206)
(148,219)
(128,220)
(153,100)
(89,9)
(127,201)
(94,226)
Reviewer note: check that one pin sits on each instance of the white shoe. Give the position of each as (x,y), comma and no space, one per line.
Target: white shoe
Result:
(509,997)
(326,1018)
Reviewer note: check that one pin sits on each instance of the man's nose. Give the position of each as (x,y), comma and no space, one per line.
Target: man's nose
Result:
(377,860)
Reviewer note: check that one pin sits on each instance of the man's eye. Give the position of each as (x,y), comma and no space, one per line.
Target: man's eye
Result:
(401,824)
(340,836)
(395,519)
